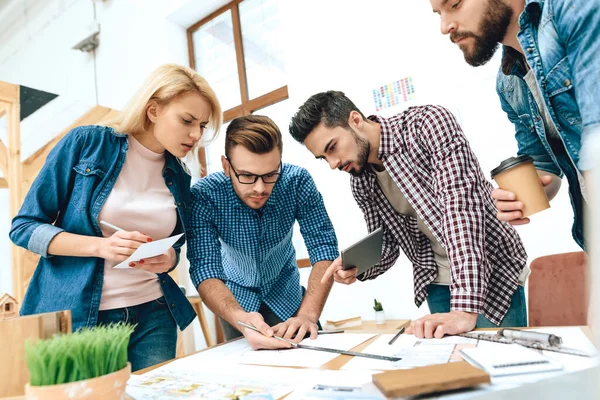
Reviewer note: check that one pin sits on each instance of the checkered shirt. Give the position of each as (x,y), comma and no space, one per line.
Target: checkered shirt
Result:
(427,155)
(252,252)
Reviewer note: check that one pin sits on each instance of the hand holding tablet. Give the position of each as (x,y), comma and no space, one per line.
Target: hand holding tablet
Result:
(362,255)
(365,253)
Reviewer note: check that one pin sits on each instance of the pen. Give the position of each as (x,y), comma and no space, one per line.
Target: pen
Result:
(329,331)
(116,228)
(396,336)
(256,330)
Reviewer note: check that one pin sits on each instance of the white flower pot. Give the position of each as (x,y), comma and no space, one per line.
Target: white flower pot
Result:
(380,317)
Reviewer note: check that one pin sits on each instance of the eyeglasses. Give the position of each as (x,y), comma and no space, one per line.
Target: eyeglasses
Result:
(249,179)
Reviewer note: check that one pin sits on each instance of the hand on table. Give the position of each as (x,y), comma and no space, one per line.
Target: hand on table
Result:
(438,325)
(296,328)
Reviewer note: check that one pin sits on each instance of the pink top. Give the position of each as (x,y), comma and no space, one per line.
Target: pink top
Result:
(140,201)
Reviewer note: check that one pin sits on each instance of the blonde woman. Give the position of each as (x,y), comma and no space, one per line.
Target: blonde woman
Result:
(129,175)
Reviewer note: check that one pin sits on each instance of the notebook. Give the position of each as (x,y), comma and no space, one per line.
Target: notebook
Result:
(509,359)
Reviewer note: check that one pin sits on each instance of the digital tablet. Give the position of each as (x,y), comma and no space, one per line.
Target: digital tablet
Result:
(365,253)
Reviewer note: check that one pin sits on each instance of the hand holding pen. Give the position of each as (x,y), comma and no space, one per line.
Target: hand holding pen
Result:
(259,334)
(119,246)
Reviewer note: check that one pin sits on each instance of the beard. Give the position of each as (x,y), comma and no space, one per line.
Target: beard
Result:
(494,26)
(364,148)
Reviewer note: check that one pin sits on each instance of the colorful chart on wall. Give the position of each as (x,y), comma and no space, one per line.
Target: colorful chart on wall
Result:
(394,93)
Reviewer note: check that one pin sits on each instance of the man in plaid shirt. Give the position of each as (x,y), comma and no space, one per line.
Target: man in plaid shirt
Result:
(415,175)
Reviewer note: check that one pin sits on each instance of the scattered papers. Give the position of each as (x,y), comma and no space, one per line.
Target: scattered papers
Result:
(148,250)
(161,385)
(414,352)
(224,380)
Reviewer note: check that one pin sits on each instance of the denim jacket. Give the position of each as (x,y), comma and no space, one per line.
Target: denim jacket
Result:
(559,39)
(67,195)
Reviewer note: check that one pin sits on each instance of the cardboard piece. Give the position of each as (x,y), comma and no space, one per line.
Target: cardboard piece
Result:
(430,379)
(343,323)
(14,332)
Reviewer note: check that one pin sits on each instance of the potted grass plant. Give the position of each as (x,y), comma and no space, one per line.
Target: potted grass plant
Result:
(89,364)
(379,313)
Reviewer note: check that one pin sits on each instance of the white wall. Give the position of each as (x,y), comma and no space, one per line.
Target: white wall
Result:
(334,44)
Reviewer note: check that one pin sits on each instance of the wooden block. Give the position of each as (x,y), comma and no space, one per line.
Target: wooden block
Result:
(430,379)
(14,332)
(344,323)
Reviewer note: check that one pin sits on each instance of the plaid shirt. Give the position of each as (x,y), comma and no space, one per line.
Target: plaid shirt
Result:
(427,155)
(252,252)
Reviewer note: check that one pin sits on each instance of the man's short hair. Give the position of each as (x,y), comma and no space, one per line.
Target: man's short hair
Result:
(257,133)
(332,108)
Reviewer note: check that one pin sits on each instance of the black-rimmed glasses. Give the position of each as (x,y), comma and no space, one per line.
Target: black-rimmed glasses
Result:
(250,179)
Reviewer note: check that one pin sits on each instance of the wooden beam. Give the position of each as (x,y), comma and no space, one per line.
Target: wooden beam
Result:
(211,16)
(3,107)
(33,164)
(232,113)
(303,263)
(3,159)
(14,178)
(9,92)
(3,183)
(191,53)
(268,99)
(239,55)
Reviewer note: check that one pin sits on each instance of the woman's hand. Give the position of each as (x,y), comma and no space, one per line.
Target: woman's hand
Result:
(121,245)
(158,264)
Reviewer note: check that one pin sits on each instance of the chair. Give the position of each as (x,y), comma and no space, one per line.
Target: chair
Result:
(558,287)
(196,302)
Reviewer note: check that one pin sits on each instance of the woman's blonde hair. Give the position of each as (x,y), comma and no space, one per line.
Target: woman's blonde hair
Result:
(163,85)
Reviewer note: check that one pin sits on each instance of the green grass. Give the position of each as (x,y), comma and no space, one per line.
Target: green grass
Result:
(86,354)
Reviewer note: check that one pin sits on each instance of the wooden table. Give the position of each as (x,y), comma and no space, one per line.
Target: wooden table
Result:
(391,326)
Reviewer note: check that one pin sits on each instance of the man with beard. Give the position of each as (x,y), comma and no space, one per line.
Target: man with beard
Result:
(415,175)
(240,249)
(548,84)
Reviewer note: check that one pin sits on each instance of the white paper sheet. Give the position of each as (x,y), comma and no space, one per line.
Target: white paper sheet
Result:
(303,357)
(148,250)
(240,352)
(414,352)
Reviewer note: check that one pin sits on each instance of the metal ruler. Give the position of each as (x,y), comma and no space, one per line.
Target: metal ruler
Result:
(531,345)
(347,352)
(326,349)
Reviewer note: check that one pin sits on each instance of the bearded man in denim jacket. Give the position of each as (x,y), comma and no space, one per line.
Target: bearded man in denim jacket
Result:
(547,84)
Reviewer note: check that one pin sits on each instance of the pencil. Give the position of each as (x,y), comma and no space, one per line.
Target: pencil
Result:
(396,336)
(116,228)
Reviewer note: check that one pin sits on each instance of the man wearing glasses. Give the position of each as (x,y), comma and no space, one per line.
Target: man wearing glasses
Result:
(240,239)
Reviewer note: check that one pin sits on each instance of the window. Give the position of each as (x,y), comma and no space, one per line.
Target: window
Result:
(239,49)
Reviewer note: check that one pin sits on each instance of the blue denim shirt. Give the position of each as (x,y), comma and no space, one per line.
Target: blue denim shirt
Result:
(559,39)
(68,195)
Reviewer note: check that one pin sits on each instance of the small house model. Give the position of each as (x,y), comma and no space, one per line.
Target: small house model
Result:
(8,307)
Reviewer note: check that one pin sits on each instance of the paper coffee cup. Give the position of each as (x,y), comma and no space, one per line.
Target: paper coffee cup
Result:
(518,175)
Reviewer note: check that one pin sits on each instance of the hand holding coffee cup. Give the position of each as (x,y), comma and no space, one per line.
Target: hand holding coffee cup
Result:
(521,190)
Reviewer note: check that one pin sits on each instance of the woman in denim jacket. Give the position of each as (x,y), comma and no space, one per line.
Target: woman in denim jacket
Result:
(128,174)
